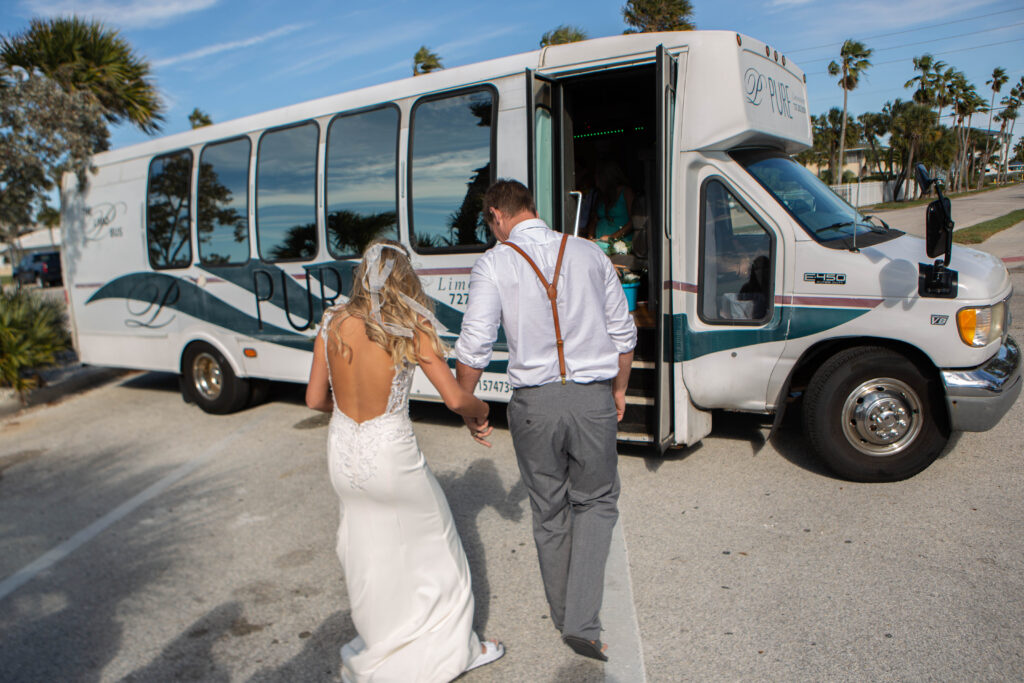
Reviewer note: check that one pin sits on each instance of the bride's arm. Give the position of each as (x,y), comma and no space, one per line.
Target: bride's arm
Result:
(440,375)
(318,391)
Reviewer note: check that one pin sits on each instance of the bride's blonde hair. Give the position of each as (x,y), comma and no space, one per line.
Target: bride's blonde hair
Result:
(395,310)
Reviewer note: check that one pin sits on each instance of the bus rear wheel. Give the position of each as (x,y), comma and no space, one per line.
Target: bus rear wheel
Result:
(209,381)
(872,415)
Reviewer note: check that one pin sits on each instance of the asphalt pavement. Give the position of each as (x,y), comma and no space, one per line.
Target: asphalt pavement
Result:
(145,540)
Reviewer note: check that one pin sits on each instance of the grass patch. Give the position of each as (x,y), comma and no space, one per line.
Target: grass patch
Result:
(885,206)
(5,280)
(982,231)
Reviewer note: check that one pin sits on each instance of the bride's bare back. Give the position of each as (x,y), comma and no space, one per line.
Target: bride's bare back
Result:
(362,377)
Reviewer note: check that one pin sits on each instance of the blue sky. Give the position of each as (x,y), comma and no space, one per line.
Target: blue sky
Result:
(232,58)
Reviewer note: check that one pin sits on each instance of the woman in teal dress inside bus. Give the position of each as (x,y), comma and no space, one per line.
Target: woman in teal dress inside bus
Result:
(611,218)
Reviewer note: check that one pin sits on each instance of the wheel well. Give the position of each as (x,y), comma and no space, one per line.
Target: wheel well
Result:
(813,357)
(212,344)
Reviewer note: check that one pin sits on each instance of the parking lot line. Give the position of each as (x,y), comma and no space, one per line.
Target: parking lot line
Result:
(59,552)
(618,614)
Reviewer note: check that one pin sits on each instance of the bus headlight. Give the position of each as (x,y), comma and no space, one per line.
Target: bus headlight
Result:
(981,325)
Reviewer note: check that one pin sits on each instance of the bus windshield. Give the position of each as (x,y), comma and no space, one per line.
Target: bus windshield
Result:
(824,215)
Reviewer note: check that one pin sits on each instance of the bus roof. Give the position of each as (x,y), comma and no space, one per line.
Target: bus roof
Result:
(714,113)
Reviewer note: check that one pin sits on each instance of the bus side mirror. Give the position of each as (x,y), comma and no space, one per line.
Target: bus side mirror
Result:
(938,228)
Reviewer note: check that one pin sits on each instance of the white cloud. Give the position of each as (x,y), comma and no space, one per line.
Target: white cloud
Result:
(368,44)
(452,47)
(124,13)
(225,47)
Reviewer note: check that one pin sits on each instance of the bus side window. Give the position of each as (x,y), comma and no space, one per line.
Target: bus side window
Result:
(361,183)
(286,193)
(168,232)
(451,155)
(222,202)
(736,281)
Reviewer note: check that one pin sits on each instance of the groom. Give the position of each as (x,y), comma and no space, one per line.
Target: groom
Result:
(571,341)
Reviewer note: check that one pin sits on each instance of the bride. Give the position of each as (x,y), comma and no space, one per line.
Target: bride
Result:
(407,576)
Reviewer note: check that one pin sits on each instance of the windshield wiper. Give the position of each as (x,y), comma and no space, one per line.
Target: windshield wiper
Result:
(868,225)
(835,226)
(882,229)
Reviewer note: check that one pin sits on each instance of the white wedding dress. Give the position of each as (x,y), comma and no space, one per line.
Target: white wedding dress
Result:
(407,576)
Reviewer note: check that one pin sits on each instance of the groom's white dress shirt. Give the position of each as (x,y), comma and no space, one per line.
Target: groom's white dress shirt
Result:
(592,311)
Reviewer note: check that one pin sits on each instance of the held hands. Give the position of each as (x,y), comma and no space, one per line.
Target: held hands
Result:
(479,428)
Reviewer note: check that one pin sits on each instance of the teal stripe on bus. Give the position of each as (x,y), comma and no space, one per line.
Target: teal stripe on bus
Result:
(788,322)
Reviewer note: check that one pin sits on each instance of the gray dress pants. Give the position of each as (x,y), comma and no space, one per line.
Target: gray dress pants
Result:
(564,438)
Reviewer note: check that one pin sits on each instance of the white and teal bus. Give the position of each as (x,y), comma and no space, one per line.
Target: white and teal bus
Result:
(213,253)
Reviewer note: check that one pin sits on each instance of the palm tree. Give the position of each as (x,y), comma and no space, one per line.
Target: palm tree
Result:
(998,80)
(199,118)
(926,81)
(425,61)
(649,16)
(563,34)
(82,55)
(1009,115)
(874,126)
(912,124)
(853,56)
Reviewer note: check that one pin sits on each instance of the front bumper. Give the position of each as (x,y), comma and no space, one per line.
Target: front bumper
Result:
(978,398)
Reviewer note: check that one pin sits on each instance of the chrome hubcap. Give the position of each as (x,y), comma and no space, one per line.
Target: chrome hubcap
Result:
(882,417)
(207,376)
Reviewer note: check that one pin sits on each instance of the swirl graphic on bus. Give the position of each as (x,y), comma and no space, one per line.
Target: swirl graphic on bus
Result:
(753,82)
(154,302)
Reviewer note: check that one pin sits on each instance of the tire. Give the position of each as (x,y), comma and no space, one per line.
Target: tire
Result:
(209,381)
(872,415)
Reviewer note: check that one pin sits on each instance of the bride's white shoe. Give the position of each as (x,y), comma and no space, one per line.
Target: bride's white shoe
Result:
(493,651)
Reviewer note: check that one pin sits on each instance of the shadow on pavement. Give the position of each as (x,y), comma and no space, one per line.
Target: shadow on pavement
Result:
(468,494)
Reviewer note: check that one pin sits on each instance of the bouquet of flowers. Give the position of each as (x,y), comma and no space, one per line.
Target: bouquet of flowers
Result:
(619,247)
(626,276)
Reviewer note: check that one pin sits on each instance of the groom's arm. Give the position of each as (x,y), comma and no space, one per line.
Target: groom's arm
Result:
(476,338)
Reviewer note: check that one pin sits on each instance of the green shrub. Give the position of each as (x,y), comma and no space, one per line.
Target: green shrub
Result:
(32,332)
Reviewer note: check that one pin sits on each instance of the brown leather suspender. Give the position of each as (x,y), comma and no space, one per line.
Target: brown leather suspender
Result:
(552,290)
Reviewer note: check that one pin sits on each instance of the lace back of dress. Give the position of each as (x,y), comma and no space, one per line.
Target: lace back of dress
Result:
(354,446)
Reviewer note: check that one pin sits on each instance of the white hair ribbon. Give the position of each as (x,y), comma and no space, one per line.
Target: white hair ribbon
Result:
(375,274)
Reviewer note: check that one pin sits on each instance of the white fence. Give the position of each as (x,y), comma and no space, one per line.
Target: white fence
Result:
(872,192)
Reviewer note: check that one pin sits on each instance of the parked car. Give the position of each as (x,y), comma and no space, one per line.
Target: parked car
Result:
(42,268)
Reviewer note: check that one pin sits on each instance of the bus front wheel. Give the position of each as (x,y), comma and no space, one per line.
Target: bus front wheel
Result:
(209,381)
(872,415)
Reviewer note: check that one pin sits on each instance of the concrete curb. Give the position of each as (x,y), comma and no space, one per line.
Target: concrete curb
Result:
(73,380)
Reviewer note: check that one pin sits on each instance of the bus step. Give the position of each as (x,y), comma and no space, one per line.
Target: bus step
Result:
(635,437)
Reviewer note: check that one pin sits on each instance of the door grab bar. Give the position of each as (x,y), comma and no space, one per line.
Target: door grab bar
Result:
(579,205)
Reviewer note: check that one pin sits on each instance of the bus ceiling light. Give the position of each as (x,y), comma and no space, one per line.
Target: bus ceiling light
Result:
(739,41)
(981,325)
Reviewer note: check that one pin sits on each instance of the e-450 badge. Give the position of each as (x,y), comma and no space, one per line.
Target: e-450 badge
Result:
(825,278)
